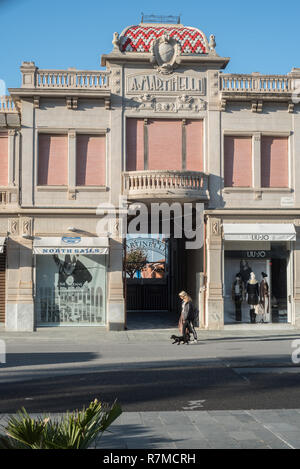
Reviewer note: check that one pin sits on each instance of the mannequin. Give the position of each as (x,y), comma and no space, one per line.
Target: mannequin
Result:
(253,295)
(238,296)
(265,297)
(245,271)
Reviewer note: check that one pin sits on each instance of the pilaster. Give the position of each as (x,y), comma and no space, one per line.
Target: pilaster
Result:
(115,300)
(215,301)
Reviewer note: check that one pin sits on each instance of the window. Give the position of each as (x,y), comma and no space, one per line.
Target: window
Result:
(164,144)
(237,161)
(53,160)
(274,162)
(3,159)
(90,160)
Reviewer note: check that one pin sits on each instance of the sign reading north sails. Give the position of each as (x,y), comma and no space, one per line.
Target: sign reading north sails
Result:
(70,245)
(173,84)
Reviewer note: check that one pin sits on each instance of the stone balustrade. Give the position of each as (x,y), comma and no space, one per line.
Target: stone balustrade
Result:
(7,104)
(157,184)
(71,79)
(8,196)
(255,83)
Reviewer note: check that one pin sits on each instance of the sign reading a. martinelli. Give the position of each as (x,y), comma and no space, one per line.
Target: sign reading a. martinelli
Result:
(158,84)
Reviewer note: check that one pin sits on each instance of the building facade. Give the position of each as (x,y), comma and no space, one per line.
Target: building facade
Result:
(163,123)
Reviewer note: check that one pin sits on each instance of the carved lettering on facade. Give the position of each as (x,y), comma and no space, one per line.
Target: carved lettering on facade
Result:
(159,84)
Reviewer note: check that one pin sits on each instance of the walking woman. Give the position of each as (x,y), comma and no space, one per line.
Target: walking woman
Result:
(187,315)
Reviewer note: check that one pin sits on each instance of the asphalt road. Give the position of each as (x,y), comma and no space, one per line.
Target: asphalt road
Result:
(219,373)
(194,387)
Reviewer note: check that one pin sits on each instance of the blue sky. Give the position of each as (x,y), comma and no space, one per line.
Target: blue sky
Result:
(259,36)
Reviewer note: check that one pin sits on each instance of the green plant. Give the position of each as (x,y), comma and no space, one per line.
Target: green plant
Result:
(76,430)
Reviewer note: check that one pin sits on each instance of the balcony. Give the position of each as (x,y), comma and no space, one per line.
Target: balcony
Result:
(258,88)
(9,115)
(175,185)
(70,83)
(8,196)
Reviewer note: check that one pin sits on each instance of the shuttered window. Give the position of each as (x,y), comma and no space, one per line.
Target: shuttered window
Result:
(135,145)
(3,159)
(274,161)
(194,145)
(237,161)
(90,160)
(164,144)
(53,160)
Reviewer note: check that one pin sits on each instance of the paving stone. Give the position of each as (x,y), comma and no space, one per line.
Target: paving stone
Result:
(243,435)
(193,444)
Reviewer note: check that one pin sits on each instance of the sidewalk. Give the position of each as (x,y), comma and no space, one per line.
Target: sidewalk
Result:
(254,429)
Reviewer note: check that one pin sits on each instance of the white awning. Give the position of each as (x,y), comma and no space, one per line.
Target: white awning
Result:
(2,242)
(259,232)
(70,245)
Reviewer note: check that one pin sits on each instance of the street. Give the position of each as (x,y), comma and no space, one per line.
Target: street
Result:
(59,370)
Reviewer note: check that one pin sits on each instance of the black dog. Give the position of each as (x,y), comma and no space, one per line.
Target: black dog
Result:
(180,339)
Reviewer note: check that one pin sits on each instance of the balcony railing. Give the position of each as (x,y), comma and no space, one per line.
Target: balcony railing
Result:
(236,83)
(8,196)
(165,183)
(72,79)
(7,104)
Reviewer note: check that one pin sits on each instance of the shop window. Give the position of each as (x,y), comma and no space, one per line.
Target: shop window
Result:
(3,159)
(53,160)
(274,161)
(237,161)
(90,160)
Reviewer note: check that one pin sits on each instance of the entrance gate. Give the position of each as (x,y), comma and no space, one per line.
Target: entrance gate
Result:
(147,289)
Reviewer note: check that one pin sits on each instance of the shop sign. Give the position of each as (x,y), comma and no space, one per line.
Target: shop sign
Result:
(257,254)
(157,84)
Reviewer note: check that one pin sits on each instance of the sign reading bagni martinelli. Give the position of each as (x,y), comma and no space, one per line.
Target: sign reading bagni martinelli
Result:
(143,83)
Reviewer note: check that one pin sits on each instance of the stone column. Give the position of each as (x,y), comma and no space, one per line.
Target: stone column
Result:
(115,300)
(214,299)
(19,275)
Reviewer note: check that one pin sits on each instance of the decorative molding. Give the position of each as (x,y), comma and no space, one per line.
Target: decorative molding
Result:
(147,102)
(14,226)
(291,107)
(165,53)
(36,102)
(27,226)
(71,193)
(116,81)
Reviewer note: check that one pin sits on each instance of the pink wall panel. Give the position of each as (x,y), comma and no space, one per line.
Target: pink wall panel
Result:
(194,145)
(274,162)
(3,160)
(134,144)
(165,144)
(53,160)
(237,161)
(90,160)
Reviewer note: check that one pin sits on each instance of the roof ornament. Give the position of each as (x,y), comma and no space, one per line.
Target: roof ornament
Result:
(165,54)
(212,44)
(116,41)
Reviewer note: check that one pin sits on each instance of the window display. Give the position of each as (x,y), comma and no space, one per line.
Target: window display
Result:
(256,284)
(70,289)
